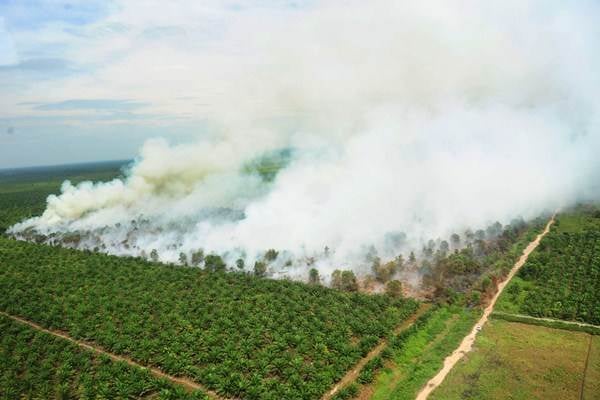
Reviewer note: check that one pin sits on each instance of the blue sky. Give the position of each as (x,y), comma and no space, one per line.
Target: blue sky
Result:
(91,80)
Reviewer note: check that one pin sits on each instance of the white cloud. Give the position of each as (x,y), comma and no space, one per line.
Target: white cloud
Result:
(422,118)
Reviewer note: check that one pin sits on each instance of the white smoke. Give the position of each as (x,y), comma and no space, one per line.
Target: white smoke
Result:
(424,119)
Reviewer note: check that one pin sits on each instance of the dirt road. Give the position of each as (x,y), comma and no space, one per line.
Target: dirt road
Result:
(186,383)
(467,343)
(353,373)
(530,319)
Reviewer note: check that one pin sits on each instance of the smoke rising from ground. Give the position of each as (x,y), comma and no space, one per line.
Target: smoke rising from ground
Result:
(423,119)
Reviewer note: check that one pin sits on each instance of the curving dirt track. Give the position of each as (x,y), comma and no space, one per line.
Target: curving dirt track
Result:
(355,371)
(467,343)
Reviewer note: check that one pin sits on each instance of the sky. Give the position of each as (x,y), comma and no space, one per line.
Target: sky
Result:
(87,80)
(92,80)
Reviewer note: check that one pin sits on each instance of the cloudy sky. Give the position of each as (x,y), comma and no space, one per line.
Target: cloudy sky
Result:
(91,80)
(85,80)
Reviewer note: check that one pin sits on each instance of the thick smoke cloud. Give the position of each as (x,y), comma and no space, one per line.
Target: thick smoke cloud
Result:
(423,119)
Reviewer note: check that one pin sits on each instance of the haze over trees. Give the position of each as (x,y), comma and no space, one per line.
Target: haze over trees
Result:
(320,213)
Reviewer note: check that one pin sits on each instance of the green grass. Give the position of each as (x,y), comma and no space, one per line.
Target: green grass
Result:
(591,389)
(518,361)
(423,353)
(36,365)
(548,323)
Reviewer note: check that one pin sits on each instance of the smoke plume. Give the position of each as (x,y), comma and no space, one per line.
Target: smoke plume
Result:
(389,123)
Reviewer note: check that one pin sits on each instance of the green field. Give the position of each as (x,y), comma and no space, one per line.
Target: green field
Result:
(591,389)
(237,334)
(518,361)
(561,279)
(36,365)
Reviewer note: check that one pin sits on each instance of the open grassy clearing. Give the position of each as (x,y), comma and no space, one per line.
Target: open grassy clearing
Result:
(591,387)
(237,334)
(549,322)
(37,365)
(518,361)
(420,355)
